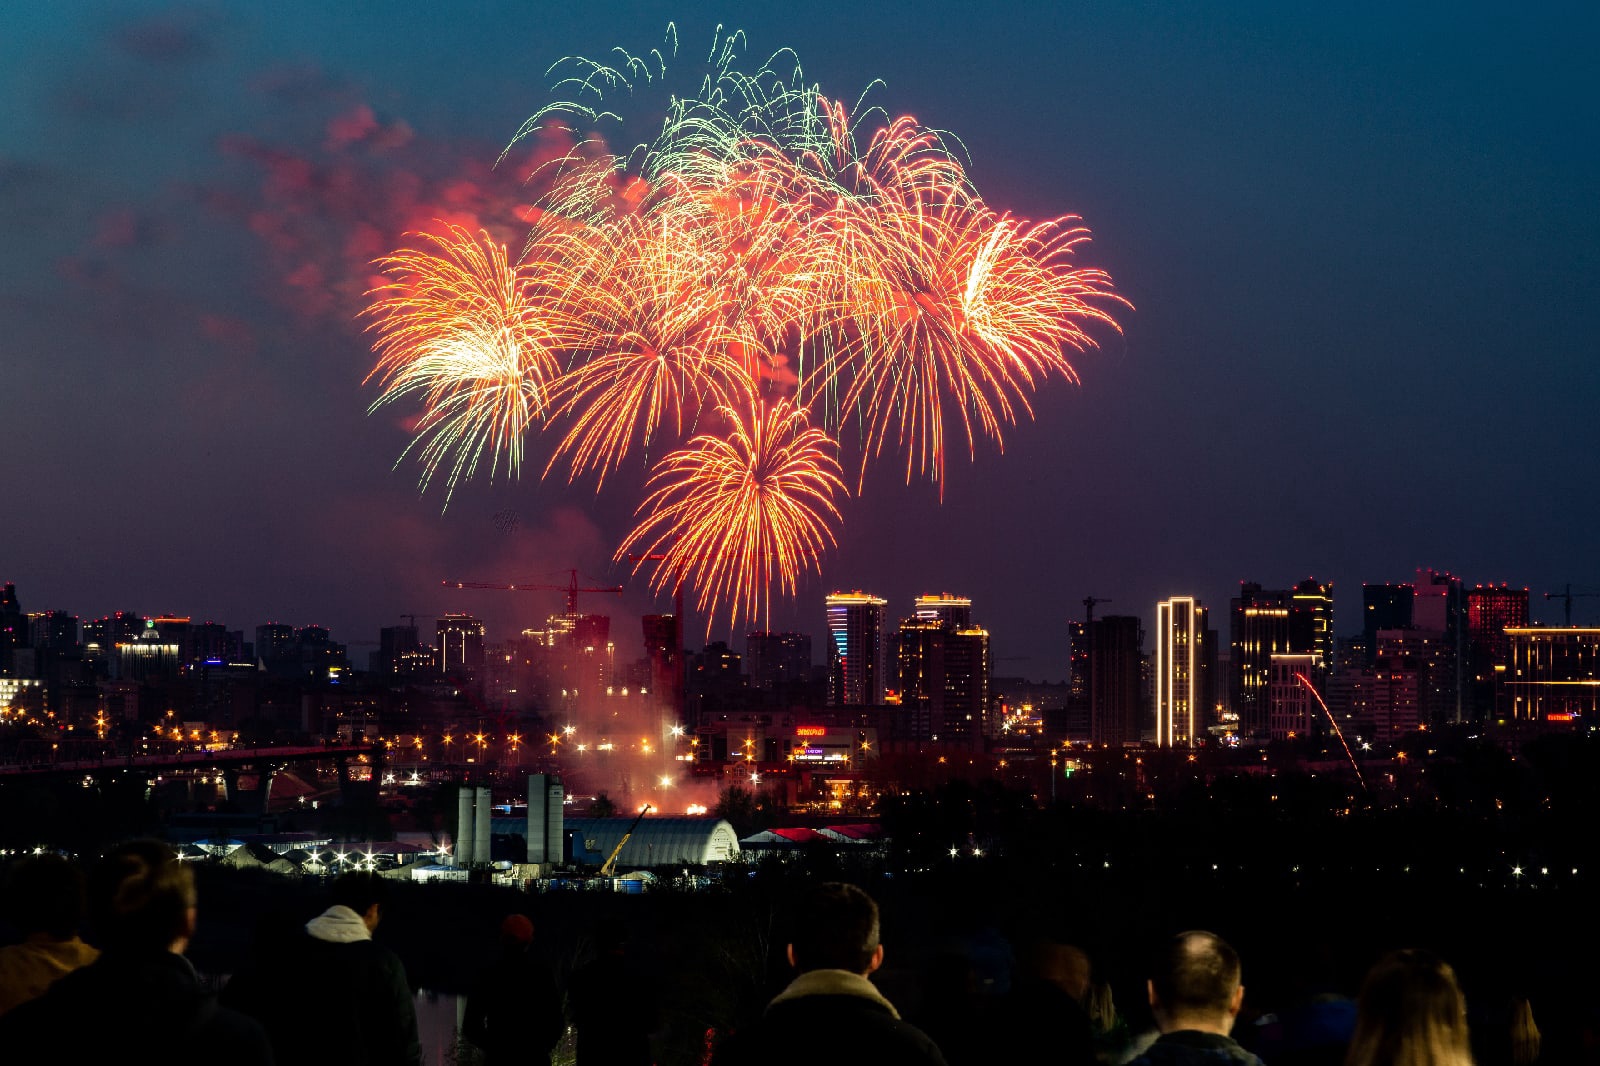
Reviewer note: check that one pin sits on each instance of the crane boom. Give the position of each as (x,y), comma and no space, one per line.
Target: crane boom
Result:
(611,862)
(571,588)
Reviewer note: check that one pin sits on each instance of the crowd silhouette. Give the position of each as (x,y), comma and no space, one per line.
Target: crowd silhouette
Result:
(328,990)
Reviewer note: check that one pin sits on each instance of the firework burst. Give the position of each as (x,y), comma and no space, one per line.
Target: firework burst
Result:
(735,513)
(475,338)
(766,259)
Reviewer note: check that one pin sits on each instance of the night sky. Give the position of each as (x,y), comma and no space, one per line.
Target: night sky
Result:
(1361,240)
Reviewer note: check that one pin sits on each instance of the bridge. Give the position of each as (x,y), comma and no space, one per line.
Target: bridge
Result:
(264,761)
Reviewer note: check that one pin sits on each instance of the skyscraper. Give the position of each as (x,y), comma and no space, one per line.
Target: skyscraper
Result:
(1259,629)
(1311,624)
(855,622)
(1181,701)
(1116,651)
(1491,611)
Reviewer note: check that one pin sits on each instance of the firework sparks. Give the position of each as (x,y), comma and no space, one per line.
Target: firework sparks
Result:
(765,259)
(470,333)
(734,514)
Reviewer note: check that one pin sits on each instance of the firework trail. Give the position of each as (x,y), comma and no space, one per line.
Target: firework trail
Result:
(766,257)
(735,513)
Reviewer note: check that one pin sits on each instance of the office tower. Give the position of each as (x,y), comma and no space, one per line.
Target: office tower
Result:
(1258,630)
(943,607)
(778,660)
(1384,607)
(401,652)
(1311,624)
(1116,655)
(1490,612)
(458,643)
(942,674)
(855,623)
(1183,703)
(1552,676)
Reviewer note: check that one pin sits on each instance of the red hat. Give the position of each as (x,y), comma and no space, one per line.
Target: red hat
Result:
(517,927)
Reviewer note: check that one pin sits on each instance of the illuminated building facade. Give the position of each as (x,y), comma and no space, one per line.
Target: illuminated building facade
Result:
(943,607)
(458,643)
(942,673)
(1311,624)
(855,652)
(1182,713)
(1259,629)
(1553,675)
(778,660)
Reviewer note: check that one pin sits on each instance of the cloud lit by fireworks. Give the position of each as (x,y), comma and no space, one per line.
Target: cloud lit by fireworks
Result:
(761,257)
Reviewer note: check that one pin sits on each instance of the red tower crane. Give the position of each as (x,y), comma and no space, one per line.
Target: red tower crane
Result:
(571,588)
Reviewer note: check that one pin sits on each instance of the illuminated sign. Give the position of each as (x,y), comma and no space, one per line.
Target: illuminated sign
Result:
(1560,717)
(810,731)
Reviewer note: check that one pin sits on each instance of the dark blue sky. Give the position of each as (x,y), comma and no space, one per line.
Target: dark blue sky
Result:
(1361,241)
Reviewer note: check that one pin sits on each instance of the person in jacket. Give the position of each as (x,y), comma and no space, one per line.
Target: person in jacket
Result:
(514,1012)
(142,906)
(44,902)
(329,993)
(831,1012)
(1195,995)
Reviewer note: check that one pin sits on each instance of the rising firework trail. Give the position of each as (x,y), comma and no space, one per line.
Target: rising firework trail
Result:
(767,259)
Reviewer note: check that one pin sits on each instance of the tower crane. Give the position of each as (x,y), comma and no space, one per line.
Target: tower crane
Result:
(1088,608)
(1566,596)
(571,588)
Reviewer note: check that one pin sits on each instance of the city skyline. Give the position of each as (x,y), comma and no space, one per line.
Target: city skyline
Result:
(1328,226)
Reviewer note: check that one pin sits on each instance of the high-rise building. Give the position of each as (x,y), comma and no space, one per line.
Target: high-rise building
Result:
(1384,607)
(1311,624)
(943,607)
(855,623)
(1491,610)
(1074,722)
(1183,700)
(778,660)
(1116,657)
(458,643)
(1290,703)
(942,673)
(1258,630)
(1553,676)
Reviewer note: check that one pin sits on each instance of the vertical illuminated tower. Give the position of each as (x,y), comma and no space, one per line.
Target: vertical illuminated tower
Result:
(855,622)
(1181,713)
